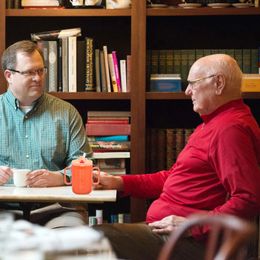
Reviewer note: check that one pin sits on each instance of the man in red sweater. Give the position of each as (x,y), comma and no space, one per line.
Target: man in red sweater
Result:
(217,171)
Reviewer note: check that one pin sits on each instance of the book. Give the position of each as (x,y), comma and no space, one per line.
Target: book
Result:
(53,66)
(123,75)
(65,64)
(101,146)
(111,163)
(59,77)
(44,46)
(108,129)
(97,70)
(128,73)
(89,64)
(108,121)
(72,63)
(81,65)
(107,113)
(119,138)
(114,171)
(116,69)
(112,73)
(107,155)
(103,72)
(107,73)
(55,34)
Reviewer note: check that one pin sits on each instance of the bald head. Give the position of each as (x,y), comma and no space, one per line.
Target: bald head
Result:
(224,65)
(213,81)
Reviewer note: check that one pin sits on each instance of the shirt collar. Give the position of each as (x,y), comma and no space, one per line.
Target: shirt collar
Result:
(16,104)
(227,106)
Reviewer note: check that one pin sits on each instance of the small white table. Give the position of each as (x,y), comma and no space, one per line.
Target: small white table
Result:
(10,193)
(54,194)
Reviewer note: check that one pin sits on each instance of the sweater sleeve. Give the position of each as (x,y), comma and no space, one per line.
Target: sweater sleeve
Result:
(145,186)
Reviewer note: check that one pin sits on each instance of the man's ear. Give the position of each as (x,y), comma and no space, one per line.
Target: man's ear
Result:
(220,84)
(8,76)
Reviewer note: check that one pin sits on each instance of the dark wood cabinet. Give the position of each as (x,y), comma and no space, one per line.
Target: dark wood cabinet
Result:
(135,31)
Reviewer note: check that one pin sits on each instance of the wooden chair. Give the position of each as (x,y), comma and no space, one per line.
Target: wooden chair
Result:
(228,236)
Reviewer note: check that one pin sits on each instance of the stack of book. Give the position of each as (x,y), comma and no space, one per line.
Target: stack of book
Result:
(108,134)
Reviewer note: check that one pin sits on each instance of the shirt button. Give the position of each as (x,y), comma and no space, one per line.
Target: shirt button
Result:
(26,136)
(25,117)
(27,156)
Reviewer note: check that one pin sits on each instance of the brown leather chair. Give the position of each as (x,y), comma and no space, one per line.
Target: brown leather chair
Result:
(227,239)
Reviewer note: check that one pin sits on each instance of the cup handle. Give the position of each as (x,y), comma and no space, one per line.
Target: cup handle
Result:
(65,176)
(97,176)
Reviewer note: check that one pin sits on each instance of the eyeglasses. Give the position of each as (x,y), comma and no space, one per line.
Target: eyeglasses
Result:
(31,73)
(193,82)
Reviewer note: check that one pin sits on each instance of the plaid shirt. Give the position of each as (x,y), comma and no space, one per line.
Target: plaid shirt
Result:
(49,136)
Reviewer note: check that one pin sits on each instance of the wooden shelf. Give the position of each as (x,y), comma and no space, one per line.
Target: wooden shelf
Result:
(91,96)
(67,12)
(203,11)
(182,96)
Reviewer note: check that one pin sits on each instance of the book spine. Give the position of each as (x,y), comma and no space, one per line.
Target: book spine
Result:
(107,73)
(60,65)
(89,64)
(108,129)
(72,62)
(116,68)
(53,66)
(123,75)
(81,65)
(65,64)
(128,73)
(44,46)
(112,72)
(97,70)
(103,72)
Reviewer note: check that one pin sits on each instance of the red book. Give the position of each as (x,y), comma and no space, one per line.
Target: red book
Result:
(108,129)
(116,121)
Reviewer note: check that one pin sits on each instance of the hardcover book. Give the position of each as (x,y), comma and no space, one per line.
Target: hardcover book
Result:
(55,34)
(108,129)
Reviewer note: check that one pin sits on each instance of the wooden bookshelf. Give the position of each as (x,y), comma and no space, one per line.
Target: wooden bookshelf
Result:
(134,31)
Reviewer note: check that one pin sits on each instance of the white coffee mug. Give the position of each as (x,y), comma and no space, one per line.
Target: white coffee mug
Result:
(20,176)
(77,2)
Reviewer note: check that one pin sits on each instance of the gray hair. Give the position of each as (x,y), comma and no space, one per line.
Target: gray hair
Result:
(9,57)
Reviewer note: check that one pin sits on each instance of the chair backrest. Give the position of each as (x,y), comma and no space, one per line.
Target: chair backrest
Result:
(226,238)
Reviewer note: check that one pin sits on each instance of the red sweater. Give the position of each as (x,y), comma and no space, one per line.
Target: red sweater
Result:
(217,171)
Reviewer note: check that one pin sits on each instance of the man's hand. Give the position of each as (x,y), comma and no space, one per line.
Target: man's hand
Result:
(44,178)
(109,182)
(167,224)
(5,174)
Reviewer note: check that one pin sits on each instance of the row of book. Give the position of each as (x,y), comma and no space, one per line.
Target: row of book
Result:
(75,65)
(179,61)
(109,137)
(164,145)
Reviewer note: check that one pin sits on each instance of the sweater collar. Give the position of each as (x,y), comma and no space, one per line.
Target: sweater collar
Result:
(221,109)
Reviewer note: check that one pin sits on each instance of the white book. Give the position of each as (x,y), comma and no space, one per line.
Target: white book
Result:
(53,66)
(106,155)
(72,63)
(107,68)
(64,60)
(123,75)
